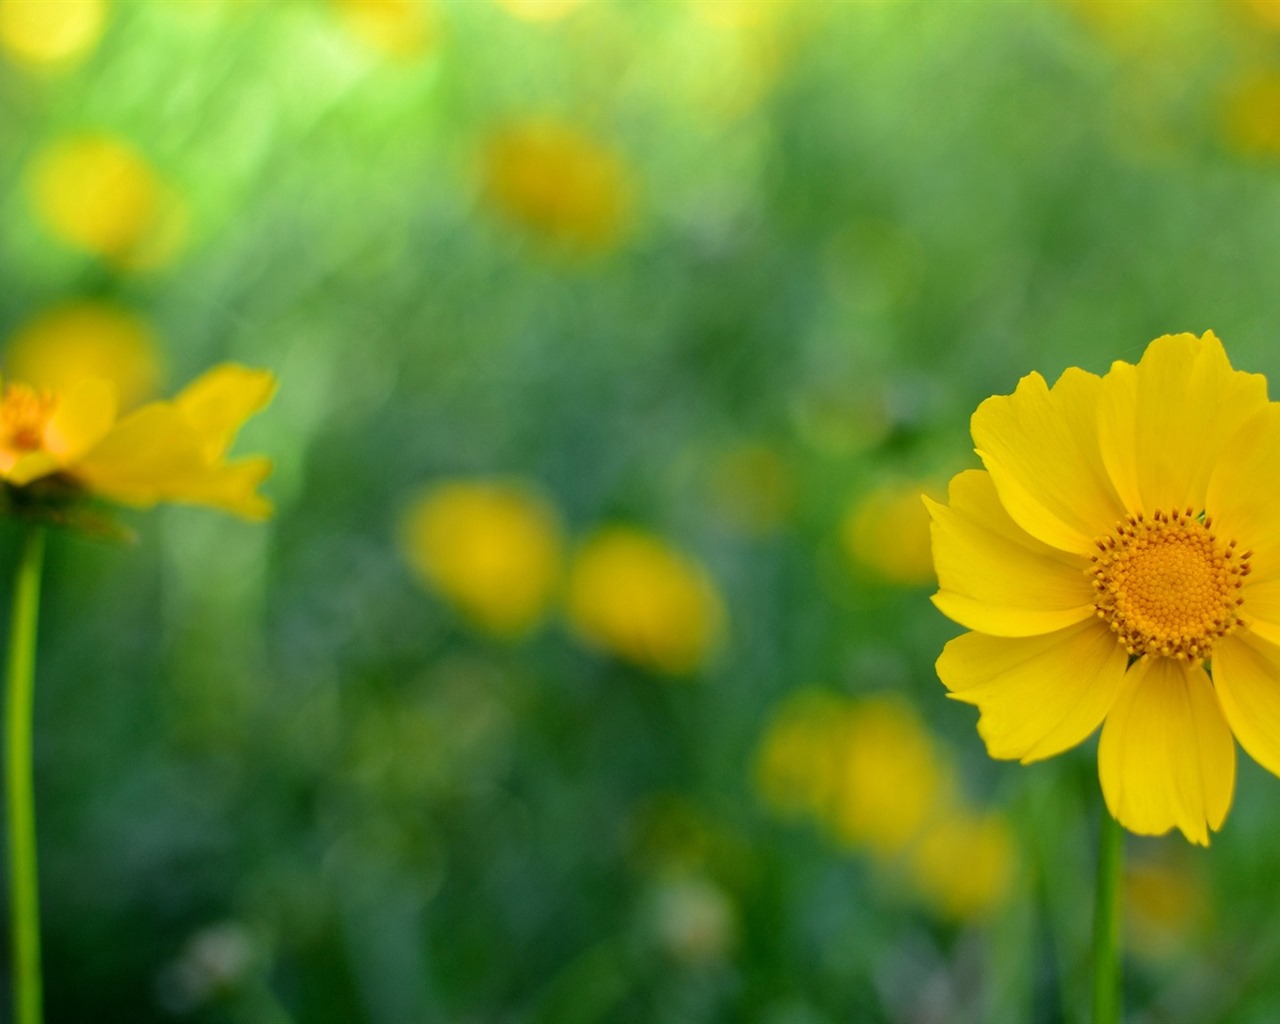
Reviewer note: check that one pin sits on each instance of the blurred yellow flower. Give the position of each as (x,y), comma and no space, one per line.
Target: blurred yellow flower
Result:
(887,532)
(558,182)
(964,864)
(492,548)
(69,343)
(1118,565)
(50,33)
(633,595)
(96,193)
(398,28)
(1251,115)
(165,451)
(539,10)
(892,779)
(800,762)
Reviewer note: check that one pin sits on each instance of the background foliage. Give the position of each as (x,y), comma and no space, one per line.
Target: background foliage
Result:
(585,672)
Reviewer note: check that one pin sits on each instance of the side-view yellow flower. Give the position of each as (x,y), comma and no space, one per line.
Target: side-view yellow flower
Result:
(164,451)
(1118,563)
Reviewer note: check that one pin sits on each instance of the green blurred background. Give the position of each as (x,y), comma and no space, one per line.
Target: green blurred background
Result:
(585,672)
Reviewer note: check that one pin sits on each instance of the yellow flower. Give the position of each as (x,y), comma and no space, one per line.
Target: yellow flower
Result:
(398,28)
(50,33)
(492,548)
(964,864)
(165,451)
(888,533)
(799,766)
(633,595)
(1251,115)
(892,780)
(69,343)
(98,194)
(559,182)
(1119,560)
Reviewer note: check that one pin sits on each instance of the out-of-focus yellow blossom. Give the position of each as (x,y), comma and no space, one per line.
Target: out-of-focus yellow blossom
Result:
(891,780)
(539,10)
(1165,903)
(633,595)
(887,532)
(1251,115)
(1260,13)
(67,344)
(559,182)
(98,194)
(753,488)
(50,34)
(165,451)
(492,548)
(799,767)
(964,864)
(398,28)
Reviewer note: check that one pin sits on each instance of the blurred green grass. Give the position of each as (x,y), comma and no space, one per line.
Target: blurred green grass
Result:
(715,270)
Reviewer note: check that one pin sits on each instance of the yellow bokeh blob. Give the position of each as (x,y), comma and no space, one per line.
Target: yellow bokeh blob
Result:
(633,595)
(753,488)
(799,766)
(96,193)
(67,344)
(892,779)
(964,864)
(398,28)
(558,182)
(50,33)
(539,10)
(887,533)
(492,548)
(1251,115)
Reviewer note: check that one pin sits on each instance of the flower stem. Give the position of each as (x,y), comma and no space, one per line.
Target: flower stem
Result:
(24,900)
(1106,922)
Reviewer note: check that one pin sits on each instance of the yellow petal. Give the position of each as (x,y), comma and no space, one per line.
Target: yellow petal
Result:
(1165,423)
(143,455)
(1166,757)
(32,466)
(1041,448)
(1244,492)
(1038,695)
(82,419)
(1261,609)
(228,486)
(995,577)
(218,402)
(1246,673)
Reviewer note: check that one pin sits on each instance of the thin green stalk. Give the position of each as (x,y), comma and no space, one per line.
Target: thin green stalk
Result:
(24,897)
(1106,922)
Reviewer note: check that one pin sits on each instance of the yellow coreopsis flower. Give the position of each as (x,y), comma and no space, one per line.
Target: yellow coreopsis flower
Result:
(1118,563)
(633,595)
(493,548)
(164,451)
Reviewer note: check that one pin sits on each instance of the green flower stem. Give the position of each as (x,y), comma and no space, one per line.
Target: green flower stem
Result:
(1106,922)
(24,897)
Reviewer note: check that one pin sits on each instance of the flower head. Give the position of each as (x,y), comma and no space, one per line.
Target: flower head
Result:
(633,595)
(1118,564)
(491,547)
(164,451)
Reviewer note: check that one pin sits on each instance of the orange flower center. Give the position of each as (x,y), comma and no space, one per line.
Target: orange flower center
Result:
(1167,585)
(24,413)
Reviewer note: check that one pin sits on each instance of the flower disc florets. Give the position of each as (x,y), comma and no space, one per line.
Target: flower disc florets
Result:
(1167,585)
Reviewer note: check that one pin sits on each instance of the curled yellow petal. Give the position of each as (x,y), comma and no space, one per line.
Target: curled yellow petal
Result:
(996,578)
